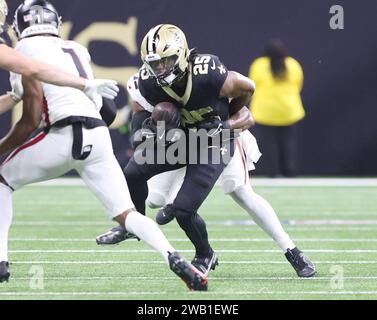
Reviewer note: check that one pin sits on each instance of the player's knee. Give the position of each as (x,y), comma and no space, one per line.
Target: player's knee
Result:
(230,186)
(4,183)
(2,180)
(243,192)
(155,200)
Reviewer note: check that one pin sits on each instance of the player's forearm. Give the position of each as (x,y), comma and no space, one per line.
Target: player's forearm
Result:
(47,73)
(16,137)
(238,103)
(6,103)
(242,119)
(244,89)
(16,62)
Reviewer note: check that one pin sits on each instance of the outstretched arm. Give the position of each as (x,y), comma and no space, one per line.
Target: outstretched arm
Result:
(14,61)
(31,116)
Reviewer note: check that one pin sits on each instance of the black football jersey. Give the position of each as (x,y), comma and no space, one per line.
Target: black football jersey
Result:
(200,100)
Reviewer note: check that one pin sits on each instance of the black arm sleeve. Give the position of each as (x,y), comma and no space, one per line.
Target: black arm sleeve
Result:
(136,123)
(108,111)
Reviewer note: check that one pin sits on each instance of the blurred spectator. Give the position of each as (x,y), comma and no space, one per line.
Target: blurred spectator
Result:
(277,107)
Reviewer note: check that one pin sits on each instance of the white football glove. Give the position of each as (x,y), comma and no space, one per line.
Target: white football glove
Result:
(105,88)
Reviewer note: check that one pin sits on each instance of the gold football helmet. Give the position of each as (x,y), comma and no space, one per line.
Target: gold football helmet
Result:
(3,13)
(165,54)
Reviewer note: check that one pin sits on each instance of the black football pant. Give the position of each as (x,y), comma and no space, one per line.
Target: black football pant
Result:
(197,184)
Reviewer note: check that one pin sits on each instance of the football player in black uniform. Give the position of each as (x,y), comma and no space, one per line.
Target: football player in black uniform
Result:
(201,85)
(208,95)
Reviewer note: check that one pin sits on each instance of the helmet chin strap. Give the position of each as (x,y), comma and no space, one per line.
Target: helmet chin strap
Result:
(170,78)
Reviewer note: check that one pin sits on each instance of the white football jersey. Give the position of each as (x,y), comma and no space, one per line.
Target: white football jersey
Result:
(134,92)
(61,102)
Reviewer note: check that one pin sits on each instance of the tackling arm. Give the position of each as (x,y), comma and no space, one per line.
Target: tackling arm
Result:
(14,61)
(31,116)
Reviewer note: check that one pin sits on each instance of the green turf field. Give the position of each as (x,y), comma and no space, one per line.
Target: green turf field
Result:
(52,238)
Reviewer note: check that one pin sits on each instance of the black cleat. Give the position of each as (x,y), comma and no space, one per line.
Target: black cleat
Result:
(206,264)
(165,215)
(115,236)
(4,271)
(194,279)
(301,263)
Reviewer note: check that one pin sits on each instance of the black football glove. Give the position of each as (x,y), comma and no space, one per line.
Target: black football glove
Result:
(213,126)
(147,131)
(152,130)
(149,127)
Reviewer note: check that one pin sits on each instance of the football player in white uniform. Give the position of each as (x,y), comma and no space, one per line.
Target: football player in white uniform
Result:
(15,61)
(234,180)
(74,137)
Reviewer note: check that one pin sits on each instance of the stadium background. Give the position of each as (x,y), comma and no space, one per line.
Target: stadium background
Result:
(338,135)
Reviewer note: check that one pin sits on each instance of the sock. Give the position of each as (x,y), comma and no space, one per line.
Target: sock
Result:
(263,214)
(195,228)
(6,214)
(147,230)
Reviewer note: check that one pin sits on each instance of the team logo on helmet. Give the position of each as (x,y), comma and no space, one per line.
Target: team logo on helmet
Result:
(35,17)
(165,54)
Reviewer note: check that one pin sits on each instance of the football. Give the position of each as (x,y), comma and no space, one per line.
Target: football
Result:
(167,112)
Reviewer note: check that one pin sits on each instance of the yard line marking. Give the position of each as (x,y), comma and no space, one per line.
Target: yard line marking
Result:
(337,262)
(300,222)
(276,182)
(61,223)
(333,222)
(89,293)
(297,228)
(135,293)
(366,240)
(218,251)
(175,278)
(213,224)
